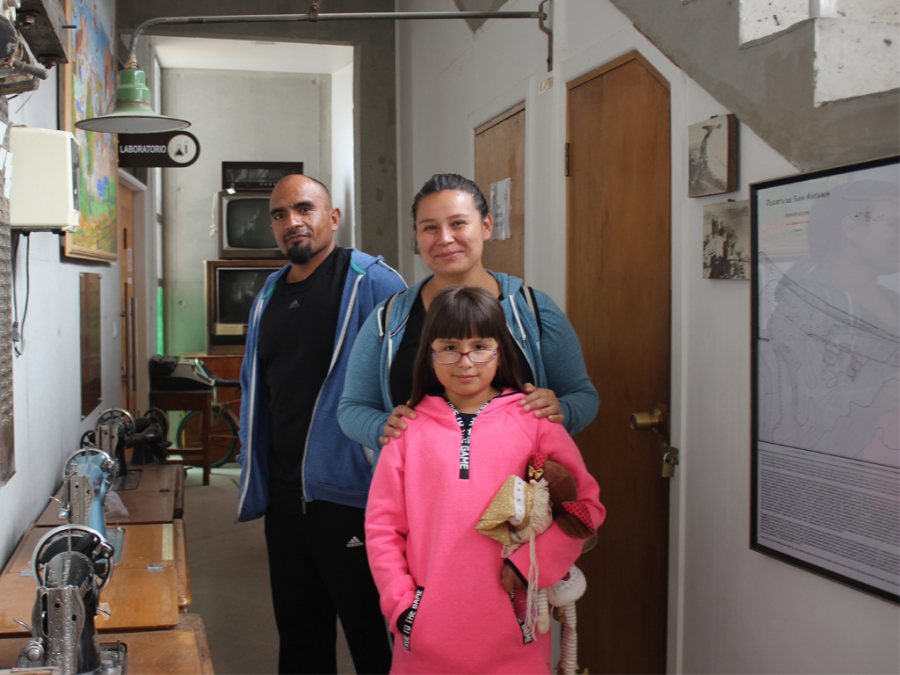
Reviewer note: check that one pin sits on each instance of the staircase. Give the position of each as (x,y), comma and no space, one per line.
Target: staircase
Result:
(816,79)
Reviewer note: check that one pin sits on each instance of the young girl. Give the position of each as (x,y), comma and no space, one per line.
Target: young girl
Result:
(444,587)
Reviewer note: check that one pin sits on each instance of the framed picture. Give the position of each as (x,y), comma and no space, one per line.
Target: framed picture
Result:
(91,383)
(726,241)
(826,373)
(89,89)
(712,156)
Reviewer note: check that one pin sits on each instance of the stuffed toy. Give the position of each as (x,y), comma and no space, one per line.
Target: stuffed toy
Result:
(520,511)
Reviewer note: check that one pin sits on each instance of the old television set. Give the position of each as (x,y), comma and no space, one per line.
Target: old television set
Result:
(231,286)
(243,223)
(256,175)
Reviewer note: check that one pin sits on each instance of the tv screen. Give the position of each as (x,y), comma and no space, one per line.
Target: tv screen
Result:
(231,286)
(244,230)
(237,287)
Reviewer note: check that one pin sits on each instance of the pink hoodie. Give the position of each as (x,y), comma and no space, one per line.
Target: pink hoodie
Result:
(424,550)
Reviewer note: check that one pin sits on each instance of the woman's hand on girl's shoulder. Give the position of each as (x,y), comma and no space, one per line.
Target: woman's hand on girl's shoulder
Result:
(395,426)
(543,402)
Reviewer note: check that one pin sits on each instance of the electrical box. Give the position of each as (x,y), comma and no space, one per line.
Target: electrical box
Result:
(44,195)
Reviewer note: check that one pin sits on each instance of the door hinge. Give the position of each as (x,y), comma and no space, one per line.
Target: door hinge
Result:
(567,159)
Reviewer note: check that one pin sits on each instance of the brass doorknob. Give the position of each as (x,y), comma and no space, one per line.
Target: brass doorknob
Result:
(654,421)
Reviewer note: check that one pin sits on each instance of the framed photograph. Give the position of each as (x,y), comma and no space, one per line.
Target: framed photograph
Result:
(825,257)
(712,156)
(91,86)
(726,241)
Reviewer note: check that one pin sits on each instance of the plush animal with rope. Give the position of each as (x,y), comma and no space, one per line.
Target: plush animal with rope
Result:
(520,511)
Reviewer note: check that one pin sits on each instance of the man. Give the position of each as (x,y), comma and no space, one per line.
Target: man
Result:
(298,468)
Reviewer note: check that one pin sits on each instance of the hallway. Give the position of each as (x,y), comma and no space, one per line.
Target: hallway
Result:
(230,578)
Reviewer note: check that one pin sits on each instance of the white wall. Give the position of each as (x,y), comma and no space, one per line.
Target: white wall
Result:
(47,377)
(343,187)
(731,609)
(236,116)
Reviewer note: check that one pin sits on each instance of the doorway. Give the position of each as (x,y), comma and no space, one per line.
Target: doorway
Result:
(500,157)
(127,313)
(618,291)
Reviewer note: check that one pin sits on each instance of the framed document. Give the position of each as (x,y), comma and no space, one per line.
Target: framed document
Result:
(826,390)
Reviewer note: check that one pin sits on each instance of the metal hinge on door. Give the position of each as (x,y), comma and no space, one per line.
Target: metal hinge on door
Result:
(567,159)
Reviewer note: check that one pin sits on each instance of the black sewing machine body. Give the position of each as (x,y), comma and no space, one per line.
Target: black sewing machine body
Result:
(72,564)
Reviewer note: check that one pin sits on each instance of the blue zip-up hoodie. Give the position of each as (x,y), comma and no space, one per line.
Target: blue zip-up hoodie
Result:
(553,351)
(335,468)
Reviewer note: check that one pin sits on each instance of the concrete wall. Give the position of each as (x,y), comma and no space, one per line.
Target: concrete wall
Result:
(236,116)
(731,610)
(343,155)
(374,99)
(47,377)
(771,85)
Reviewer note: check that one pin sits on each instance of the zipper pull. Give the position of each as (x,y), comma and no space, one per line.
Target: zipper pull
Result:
(303,504)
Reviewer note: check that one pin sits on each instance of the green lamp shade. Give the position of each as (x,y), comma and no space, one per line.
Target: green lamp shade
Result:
(132,112)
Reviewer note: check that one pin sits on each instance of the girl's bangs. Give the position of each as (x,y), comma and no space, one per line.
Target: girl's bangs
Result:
(463,323)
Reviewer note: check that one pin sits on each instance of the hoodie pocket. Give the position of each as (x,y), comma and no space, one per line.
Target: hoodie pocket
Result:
(410,618)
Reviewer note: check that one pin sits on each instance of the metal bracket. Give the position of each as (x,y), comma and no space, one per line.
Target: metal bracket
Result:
(314,17)
(542,24)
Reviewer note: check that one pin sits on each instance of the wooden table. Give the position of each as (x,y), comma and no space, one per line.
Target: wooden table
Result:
(183,650)
(190,400)
(159,498)
(164,544)
(138,597)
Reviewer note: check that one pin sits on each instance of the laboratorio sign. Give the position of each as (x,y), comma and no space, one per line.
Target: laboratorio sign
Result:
(144,148)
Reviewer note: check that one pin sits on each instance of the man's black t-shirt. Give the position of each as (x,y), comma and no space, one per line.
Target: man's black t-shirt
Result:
(296,341)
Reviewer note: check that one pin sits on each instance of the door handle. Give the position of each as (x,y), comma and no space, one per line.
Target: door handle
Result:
(653,421)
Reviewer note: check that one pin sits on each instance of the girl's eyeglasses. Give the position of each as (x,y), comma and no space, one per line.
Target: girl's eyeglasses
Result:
(447,358)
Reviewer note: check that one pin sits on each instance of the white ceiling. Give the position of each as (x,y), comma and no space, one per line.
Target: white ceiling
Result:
(272,57)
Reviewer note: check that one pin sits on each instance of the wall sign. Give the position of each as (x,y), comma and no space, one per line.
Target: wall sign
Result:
(170,150)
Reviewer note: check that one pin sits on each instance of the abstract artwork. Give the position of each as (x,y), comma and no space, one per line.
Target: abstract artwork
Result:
(712,156)
(726,241)
(92,89)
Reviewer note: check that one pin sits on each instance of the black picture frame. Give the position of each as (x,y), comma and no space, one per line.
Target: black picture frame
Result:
(824,374)
(256,175)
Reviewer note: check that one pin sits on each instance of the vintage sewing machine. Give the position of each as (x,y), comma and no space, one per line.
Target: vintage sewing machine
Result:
(88,476)
(116,430)
(72,564)
(112,431)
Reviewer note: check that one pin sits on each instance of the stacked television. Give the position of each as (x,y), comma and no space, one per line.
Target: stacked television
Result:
(248,252)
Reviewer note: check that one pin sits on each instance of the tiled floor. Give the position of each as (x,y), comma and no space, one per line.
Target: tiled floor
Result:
(230,579)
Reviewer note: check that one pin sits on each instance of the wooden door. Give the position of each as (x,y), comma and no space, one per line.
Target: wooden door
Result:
(618,291)
(127,314)
(500,154)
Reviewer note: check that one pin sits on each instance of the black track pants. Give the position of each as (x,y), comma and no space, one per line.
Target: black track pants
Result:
(319,571)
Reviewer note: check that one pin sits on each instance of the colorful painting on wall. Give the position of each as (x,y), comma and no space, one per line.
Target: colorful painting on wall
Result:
(91,94)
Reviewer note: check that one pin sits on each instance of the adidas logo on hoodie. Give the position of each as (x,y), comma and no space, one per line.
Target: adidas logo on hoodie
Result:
(353,543)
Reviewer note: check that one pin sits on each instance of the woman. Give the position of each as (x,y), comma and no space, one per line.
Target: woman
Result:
(451,224)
